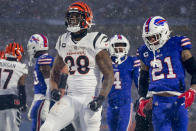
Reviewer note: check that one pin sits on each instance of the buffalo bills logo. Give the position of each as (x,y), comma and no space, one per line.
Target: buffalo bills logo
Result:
(159,22)
(34,39)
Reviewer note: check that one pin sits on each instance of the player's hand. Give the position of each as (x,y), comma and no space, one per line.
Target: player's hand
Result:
(189,97)
(55,95)
(96,103)
(142,104)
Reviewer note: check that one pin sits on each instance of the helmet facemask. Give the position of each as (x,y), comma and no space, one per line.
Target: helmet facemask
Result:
(119,49)
(153,41)
(75,21)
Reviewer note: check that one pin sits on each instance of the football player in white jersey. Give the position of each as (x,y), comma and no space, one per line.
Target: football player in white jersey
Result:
(88,61)
(12,88)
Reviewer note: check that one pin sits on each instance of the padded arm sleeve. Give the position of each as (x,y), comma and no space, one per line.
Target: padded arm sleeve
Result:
(190,66)
(22,95)
(143,83)
(63,81)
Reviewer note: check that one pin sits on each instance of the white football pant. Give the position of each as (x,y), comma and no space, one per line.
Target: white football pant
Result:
(10,120)
(72,108)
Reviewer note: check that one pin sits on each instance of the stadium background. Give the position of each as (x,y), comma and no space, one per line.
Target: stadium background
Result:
(19,19)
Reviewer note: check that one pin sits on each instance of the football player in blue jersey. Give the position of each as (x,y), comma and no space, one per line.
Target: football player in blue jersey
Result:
(164,60)
(38,48)
(126,69)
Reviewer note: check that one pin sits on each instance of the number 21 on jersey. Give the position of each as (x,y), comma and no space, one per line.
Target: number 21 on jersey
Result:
(159,69)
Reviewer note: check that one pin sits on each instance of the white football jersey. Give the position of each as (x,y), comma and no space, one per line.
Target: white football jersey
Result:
(84,74)
(10,73)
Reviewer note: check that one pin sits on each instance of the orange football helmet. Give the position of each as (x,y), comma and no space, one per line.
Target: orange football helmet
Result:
(84,21)
(14,50)
(2,54)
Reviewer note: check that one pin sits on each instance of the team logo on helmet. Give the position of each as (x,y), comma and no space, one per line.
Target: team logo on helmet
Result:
(159,22)
(36,40)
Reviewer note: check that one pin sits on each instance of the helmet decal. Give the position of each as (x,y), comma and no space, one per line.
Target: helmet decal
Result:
(147,24)
(45,40)
(119,37)
(159,22)
(34,39)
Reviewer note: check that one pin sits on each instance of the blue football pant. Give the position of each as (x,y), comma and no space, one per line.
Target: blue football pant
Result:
(36,115)
(169,113)
(120,118)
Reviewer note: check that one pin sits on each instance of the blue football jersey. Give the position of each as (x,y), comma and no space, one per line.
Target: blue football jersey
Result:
(166,72)
(124,73)
(39,83)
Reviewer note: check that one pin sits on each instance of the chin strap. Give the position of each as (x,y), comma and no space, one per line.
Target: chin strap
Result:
(118,60)
(155,60)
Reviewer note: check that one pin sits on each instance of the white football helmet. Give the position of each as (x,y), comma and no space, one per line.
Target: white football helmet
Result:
(37,42)
(158,28)
(119,47)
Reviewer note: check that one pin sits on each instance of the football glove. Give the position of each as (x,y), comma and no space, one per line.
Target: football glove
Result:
(142,104)
(96,103)
(189,97)
(55,95)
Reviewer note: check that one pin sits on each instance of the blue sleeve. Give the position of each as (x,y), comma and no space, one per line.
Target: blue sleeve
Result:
(184,43)
(45,61)
(135,73)
(141,53)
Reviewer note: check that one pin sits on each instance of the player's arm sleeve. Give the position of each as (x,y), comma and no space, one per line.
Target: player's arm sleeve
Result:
(21,90)
(187,58)
(184,43)
(143,80)
(190,64)
(100,42)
